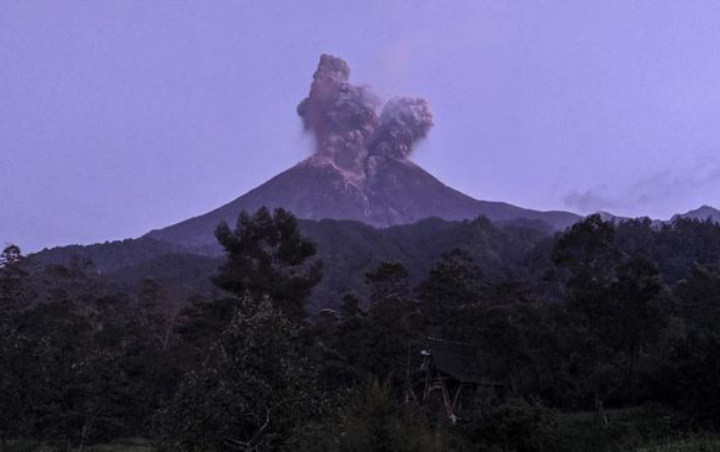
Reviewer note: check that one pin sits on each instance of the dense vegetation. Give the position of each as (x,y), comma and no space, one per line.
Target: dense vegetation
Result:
(350,249)
(603,337)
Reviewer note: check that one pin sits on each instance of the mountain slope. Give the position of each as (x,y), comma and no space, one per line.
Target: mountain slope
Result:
(395,192)
(348,249)
(702,213)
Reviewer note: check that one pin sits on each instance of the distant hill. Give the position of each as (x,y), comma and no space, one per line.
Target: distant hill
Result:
(701,213)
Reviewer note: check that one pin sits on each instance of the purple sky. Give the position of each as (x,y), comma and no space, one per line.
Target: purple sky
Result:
(117,117)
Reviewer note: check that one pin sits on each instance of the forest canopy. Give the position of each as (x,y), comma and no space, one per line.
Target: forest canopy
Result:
(603,337)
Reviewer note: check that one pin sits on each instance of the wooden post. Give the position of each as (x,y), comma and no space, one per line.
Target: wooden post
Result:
(446,398)
(457,396)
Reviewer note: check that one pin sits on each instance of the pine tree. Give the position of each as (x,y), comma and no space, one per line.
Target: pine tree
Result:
(267,256)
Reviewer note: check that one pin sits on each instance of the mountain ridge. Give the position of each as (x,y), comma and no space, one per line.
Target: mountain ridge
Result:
(703,212)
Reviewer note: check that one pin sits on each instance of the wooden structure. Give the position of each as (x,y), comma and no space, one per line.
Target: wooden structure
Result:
(455,375)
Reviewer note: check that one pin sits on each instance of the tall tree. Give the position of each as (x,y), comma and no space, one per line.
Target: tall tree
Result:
(267,256)
(693,368)
(12,276)
(448,294)
(587,257)
(392,320)
(638,314)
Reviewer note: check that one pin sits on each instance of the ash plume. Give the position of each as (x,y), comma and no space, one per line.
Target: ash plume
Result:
(343,119)
(403,122)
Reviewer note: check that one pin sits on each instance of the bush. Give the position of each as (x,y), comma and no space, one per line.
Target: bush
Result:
(517,425)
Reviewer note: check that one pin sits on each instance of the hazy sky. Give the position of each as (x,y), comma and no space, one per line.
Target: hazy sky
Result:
(117,117)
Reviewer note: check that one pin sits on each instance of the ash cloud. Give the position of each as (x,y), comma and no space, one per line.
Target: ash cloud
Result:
(403,122)
(344,121)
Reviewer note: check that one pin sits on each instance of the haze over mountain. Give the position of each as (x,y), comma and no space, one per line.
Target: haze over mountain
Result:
(360,169)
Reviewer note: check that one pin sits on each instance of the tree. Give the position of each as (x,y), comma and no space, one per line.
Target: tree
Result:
(347,341)
(11,255)
(12,279)
(12,275)
(153,316)
(391,320)
(588,253)
(638,315)
(587,257)
(388,283)
(253,390)
(267,256)
(613,306)
(692,368)
(698,297)
(450,289)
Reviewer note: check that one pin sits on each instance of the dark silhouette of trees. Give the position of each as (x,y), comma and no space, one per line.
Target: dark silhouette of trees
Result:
(12,279)
(266,256)
(603,315)
(392,318)
(612,307)
(449,295)
(12,276)
(692,367)
(253,388)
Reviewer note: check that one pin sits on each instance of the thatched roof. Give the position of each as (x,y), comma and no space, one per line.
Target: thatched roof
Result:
(460,360)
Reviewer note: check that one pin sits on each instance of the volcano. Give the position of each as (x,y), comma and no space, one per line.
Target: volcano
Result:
(360,169)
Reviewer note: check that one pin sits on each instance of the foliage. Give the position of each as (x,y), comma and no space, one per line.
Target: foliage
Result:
(519,426)
(372,419)
(580,338)
(450,287)
(251,390)
(266,256)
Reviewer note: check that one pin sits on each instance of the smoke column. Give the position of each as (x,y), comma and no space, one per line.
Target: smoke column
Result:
(343,119)
(403,122)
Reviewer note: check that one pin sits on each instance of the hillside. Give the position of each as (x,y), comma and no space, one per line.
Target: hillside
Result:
(702,213)
(400,192)
(348,250)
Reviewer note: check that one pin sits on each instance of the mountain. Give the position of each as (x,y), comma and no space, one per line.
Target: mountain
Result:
(701,213)
(395,192)
(360,169)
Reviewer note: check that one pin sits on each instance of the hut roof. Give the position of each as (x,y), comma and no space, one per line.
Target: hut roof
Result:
(460,360)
